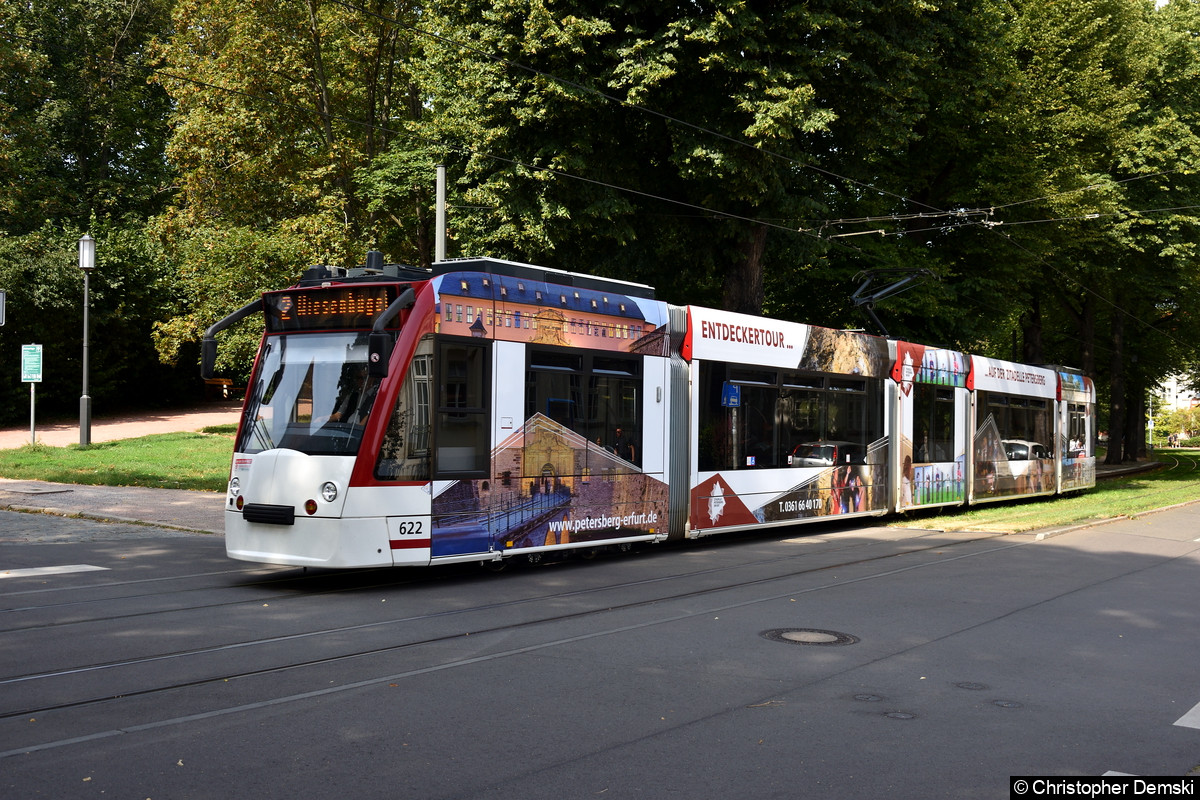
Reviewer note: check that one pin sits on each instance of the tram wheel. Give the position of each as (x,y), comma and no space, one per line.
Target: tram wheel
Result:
(498,565)
(534,558)
(625,547)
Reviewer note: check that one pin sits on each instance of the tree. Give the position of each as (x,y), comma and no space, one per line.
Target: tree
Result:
(81,148)
(81,131)
(665,143)
(281,111)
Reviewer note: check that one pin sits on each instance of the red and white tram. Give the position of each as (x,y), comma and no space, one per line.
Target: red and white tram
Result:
(490,409)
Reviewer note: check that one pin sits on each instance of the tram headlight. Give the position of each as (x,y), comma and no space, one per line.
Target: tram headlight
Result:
(235,487)
(329,491)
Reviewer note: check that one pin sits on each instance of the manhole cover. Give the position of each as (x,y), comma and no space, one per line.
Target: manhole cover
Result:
(900,715)
(808,636)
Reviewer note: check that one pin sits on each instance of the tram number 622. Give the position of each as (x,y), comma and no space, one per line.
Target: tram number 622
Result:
(410,528)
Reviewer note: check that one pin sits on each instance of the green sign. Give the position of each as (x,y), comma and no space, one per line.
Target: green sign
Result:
(31,363)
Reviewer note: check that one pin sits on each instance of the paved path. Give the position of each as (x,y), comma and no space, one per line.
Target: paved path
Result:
(107,429)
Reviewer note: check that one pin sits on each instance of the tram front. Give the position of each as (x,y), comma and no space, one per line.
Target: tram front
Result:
(308,418)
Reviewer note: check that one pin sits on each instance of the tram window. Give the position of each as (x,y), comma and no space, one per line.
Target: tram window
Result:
(613,403)
(752,376)
(933,423)
(856,418)
(404,452)
(557,395)
(754,418)
(555,359)
(614,366)
(801,419)
(1017,418)
(591,394)
(461,435)
(757,429)
(1077,441)
(797,381)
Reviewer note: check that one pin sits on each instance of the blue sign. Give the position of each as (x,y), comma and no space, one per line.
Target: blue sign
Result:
(731,395)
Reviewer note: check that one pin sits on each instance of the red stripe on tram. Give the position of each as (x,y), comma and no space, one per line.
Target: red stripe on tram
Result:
(410,544)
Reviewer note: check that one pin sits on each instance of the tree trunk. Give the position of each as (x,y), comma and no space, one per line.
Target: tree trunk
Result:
(1135,416)
(1116,418)
(744,283)
(1087,333)
(1031,324)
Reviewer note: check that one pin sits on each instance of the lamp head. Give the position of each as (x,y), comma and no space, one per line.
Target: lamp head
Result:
(87,253)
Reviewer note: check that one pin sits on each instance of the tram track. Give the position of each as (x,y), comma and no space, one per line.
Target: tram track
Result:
(395,580)
(606,608)
(279,582)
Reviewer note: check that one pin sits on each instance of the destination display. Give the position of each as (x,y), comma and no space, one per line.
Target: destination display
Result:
(326,308)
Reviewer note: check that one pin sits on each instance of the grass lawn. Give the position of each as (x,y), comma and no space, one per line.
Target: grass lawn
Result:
(163,461)
(1177,481)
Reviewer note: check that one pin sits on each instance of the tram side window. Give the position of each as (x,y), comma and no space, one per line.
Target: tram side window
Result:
(594,395)
(750,419)
(552,388)
(614,403)
(1077,432)
(404,453)
(461,434)
(1020,421)
(757,427)
(933,423)
(801,413)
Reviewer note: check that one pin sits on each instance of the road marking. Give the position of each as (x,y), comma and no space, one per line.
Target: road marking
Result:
(35,571)
(1191,719)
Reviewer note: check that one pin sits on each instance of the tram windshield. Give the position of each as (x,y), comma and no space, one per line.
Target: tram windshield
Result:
(312,393)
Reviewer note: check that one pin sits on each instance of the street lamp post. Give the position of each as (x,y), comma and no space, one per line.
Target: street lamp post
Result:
(87,262)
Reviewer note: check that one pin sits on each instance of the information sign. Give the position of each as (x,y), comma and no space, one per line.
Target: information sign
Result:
(731,395)
(31,363)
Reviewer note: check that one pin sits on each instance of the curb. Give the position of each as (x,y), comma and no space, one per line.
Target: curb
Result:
(1052,532)
(67,514)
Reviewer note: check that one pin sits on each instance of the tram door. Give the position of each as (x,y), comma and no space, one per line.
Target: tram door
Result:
(461,447)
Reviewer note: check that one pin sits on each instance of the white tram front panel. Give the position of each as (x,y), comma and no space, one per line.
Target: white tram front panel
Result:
(299,510)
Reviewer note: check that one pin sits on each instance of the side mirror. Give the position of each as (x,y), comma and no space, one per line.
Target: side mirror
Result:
(208,357)
(379,353)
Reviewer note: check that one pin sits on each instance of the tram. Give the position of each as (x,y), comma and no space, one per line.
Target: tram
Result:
(487,409)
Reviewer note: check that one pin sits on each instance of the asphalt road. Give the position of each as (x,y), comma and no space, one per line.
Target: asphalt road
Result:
(841,663)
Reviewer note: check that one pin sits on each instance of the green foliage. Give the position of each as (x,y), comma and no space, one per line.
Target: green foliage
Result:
(282,114)
(130,288)
(81,131)
(277,108)
(221,270)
